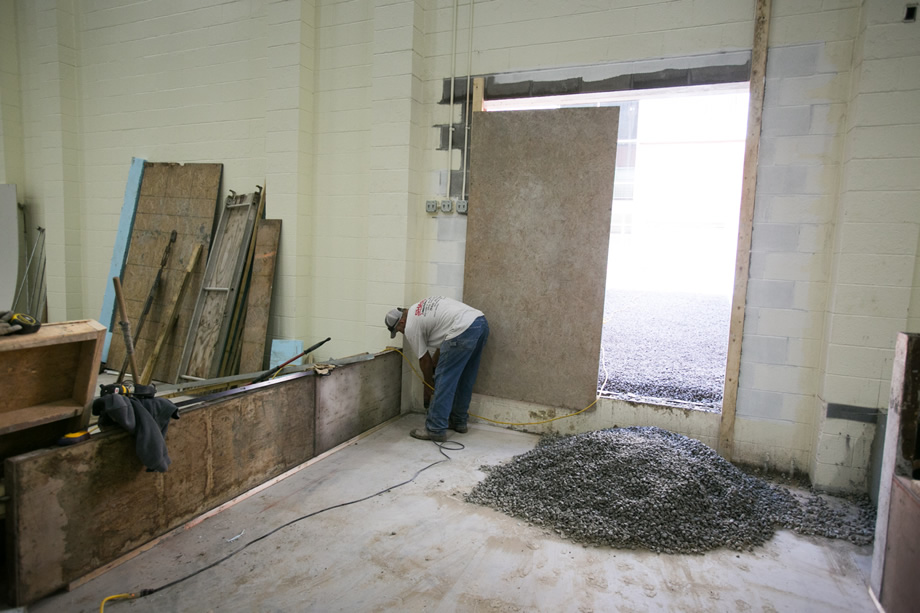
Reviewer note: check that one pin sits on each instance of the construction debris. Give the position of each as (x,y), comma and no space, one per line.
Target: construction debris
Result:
(648,488)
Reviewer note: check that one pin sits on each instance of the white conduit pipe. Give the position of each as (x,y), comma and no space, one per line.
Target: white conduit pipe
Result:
(469,111)
(450,122)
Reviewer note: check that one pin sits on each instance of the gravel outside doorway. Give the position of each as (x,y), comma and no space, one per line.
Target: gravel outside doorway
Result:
(665,348)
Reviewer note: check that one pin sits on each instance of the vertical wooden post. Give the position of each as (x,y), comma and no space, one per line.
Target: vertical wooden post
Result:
(745,227)
(478,90)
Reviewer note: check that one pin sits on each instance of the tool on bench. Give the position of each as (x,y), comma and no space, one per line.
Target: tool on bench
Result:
(148,303)
(271,373)
(18,323)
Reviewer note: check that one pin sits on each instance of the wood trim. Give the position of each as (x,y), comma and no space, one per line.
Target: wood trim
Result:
(745,227)
(478,90)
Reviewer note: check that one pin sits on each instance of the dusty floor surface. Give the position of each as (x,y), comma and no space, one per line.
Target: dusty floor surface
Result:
(421,548)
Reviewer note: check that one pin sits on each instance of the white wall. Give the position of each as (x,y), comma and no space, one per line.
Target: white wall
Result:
(332,104)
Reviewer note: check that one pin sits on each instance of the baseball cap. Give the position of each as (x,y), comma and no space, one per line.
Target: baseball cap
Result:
(392,318)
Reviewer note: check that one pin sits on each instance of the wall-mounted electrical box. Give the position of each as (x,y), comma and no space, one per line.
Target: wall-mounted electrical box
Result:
(446,206)
(431,206)
(462,206)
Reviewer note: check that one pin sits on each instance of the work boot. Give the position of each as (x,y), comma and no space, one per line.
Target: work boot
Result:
(461,428)
(427,435)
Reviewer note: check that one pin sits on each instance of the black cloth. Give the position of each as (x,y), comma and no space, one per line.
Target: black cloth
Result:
(144,416)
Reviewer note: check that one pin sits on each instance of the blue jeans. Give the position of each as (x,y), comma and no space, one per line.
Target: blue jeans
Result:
(454,377)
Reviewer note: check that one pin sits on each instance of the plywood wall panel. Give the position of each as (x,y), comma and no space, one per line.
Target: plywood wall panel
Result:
(541,189)
(172,197)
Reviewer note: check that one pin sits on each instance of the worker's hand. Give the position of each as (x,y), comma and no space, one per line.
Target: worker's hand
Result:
(5,327)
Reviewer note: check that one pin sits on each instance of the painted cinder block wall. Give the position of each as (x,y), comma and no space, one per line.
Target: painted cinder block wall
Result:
(334,106)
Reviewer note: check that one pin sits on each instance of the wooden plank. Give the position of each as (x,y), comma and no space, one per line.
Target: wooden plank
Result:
(219,450)
(478,90)
(120,251)
(541,186)
(745,227)
(258,304)
(357,397)
(169,324)
(229,361)
(209,324)
(173,197)
(900,588)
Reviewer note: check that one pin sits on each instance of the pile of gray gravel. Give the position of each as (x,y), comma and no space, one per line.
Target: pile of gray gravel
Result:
(665,348)
(648,488)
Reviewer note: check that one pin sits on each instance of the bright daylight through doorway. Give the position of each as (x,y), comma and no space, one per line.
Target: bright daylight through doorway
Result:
(673,239)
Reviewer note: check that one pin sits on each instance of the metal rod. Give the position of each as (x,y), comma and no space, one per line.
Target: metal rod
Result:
(469,111)
(28,267)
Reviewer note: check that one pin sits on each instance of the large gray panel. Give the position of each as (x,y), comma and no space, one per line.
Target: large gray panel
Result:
(541,187)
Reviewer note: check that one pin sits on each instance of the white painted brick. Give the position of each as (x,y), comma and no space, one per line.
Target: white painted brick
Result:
(764,349)
(783,322)
(886,108)
(891,302)
(856,391)
(795,266)
(879,238)
(885,141)
(828,118)
(818,26)
(878,332)
(894,270)
(779,378)
(773,433)
(891,41)
(786,121)
(798,208)
(879,76)
(832,449)
(875,206)
(883,175)
(801,150)
(852,361)
(768,293)
(794,61)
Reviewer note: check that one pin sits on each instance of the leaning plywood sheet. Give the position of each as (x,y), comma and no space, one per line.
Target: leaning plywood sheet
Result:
(120,250)
(541,188)
(173,197)
(214,308)
(358,397)
(75,509)
(259,301)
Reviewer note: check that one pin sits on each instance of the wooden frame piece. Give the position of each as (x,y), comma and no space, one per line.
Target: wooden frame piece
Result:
(207,335)
(745,227)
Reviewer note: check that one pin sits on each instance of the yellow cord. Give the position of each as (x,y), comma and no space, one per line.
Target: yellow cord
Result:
(494,421)
(115,597)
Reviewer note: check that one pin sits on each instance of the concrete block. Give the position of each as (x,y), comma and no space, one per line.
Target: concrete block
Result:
(897,174)
(879,238)
(886,108)
(759,403)
(828,119)
(878,76)
(795,266)
(862,268)
(794,208)
(774,237)
(786,121)
(852,361)
(764,349)
(885,141)
(781,179)
(875,206)
(877,332)
(779,378)
(796,61)
(889,302)
(766,293)
(452,228)
(833,449)
(856,391)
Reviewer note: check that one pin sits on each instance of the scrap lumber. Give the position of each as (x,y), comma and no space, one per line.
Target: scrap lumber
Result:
(258,304)
(210,323)
(176,197)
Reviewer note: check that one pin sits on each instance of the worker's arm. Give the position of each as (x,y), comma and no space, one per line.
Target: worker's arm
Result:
(427,364)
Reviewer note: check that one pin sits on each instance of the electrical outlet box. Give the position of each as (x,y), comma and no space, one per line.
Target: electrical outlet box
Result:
(462,206)
(431,206)
(446,206)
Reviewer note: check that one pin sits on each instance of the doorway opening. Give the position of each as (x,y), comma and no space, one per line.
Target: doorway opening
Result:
(673,239)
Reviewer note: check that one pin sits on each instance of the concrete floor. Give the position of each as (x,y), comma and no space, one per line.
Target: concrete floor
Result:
(421,548)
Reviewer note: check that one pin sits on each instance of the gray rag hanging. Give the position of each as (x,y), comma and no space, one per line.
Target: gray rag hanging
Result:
(144,416)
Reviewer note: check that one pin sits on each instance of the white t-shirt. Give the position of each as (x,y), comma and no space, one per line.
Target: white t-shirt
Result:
(435,320)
